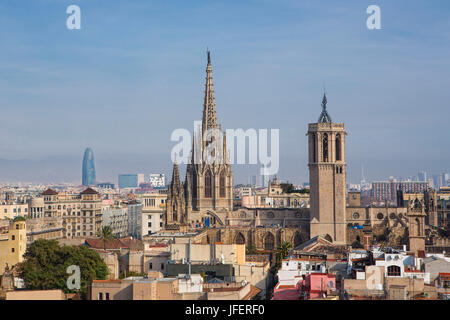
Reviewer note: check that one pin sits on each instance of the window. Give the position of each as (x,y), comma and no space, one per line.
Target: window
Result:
(380,216)
(222,185)
(356,215)
(392,215)
(162,266)
(107,296)
(100,296)
(338,147)
(13,237)
(419,229)
(13,250)
(325,147)
(313,138)
(149,224)
(394,271)
(150,265)
(208,185)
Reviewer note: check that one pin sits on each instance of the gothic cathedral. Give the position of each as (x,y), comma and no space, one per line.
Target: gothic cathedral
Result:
(206,197)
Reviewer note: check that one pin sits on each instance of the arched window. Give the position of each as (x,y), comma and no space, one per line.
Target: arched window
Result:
(417,204)
(298,240)
(269,242)
(325,147)
(394,271)
(419,233)
(313,137)
(239,239)
(174,212)
(208,184)
(338,148)
(222,185)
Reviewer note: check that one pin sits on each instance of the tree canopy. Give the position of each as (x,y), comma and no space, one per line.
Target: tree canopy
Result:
(45,266)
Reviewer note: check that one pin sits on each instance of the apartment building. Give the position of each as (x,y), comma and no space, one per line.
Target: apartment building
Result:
(81,213)
(12,210)
(116,218)
(153,208)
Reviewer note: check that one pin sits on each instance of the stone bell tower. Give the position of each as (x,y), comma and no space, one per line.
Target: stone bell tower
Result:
(327,177)
(416,225)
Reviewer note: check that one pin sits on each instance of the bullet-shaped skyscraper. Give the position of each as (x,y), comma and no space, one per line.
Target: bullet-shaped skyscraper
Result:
(88,171)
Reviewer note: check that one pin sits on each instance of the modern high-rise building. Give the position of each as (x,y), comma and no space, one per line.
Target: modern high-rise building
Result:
(445,179)
(437,181)
(422,176)
(132,180)
(88,171)
(387,190)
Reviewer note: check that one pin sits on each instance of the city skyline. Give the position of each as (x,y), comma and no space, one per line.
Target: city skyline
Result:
(307,48)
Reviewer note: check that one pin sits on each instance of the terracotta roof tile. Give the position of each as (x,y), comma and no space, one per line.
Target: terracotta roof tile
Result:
(49,192)
(89,191)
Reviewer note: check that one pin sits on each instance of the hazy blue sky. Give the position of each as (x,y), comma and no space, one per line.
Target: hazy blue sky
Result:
(135,72)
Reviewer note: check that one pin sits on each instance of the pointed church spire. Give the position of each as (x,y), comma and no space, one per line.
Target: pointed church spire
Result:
(175,183)
(324,116)
(209,106)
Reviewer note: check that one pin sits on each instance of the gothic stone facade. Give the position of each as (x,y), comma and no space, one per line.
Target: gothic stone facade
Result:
(207,194)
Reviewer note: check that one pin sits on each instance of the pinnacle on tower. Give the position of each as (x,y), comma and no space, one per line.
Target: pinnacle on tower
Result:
(209,105)
(324,116)
(175,175)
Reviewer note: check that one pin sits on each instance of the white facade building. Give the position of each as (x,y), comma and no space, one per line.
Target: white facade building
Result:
(116,219)
(157,180)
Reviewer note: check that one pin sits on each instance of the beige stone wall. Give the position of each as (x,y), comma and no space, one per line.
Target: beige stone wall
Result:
(36,295)
(259,238)
(327,176)
(233,253)
(13,245)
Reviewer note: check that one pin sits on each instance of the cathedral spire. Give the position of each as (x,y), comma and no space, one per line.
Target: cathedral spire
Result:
(175,183)
(324,116)
(209,106)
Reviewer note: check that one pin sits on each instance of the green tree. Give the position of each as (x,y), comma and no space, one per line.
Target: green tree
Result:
(45,266)
(19,218)
(250,250)
(283,249)
(282,252)
(105,233)
(287,187)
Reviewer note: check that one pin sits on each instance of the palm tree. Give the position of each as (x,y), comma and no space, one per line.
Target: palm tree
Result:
(284,248)
(105,233)
(282,252)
